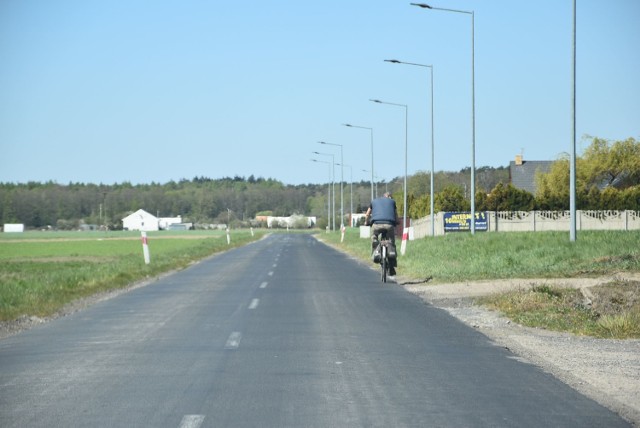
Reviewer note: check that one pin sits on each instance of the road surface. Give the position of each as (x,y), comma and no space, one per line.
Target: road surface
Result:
(284,332)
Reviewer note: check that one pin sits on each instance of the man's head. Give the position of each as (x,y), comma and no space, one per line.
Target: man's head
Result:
(387,195)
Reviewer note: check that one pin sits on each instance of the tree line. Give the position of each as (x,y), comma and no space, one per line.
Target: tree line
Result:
(608,177)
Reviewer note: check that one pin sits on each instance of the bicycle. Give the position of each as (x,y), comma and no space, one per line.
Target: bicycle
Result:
(383,248)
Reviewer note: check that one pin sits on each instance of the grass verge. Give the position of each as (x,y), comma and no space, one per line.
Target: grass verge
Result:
(464,257)
(40,273)
(612,310)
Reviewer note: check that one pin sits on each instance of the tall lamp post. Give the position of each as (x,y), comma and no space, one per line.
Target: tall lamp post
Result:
(341,181)
(333,185)
(405,231)
(371,130)
(430,67)
(351,198)
(572,166)
(328,192)
(103,206)
(473,109)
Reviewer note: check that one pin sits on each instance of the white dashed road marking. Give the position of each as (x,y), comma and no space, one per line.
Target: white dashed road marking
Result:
(233,342)
(254,303)
(263,285)
(191,421)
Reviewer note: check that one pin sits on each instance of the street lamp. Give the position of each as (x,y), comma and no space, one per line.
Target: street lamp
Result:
(370,129)
(405,233)
(104,206)
(473,109)
(333,185)
(351,198)
(572,166)
(395,61)
(341,181)
(328,191)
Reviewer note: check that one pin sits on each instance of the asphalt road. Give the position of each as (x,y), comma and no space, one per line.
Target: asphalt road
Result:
(285,332)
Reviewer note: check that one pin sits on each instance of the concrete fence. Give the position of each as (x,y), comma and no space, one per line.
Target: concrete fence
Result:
(539,221)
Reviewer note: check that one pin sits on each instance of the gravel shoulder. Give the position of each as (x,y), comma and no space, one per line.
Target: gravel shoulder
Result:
(606,370)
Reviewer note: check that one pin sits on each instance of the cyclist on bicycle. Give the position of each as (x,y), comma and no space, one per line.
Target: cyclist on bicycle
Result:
(382,215)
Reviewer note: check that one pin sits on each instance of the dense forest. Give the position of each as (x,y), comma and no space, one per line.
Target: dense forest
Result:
(203,200)
(608,177)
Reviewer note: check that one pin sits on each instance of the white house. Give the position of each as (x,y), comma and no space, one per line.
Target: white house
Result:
(165,222)
(140,220)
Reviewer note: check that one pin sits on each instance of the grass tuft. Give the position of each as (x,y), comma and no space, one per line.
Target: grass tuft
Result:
(620,326)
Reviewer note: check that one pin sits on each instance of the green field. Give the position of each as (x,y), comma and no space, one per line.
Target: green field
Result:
(40,272)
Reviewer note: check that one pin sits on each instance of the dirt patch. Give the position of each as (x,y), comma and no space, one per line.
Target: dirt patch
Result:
(615,297)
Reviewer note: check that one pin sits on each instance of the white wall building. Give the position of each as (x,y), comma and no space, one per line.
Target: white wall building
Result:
(290,221)
(14,227)
(165,222)
(140,220)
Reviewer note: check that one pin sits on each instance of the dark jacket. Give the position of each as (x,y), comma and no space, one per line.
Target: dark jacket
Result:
(383,210)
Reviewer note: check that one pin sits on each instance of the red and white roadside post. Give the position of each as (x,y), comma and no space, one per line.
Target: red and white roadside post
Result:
(405,238)
(145,248)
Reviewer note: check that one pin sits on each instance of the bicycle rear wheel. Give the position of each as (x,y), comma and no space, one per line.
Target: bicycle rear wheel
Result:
(384,264)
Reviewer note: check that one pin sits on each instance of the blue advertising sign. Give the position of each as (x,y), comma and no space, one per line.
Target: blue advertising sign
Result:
(461,222)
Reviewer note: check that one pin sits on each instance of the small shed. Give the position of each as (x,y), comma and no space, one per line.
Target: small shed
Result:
(140,220)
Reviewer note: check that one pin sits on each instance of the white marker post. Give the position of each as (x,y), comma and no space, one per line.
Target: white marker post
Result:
(145,248)
(342,231)
(405,237)
(228,236)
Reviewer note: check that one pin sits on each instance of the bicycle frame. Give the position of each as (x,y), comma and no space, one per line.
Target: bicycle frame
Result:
(383,243)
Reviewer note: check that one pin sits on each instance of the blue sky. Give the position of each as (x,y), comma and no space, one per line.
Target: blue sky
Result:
(153,91)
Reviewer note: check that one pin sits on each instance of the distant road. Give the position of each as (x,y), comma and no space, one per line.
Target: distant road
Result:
(284,332)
